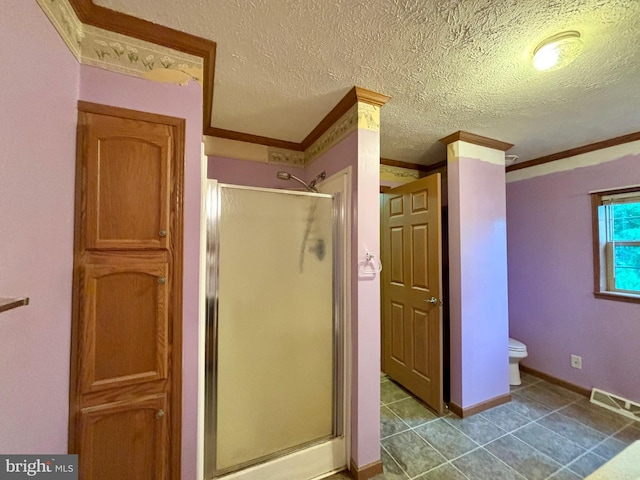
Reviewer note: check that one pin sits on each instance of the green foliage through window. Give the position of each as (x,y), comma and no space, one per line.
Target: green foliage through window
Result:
(625,236)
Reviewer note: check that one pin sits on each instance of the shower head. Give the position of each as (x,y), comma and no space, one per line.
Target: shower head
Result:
(310,187)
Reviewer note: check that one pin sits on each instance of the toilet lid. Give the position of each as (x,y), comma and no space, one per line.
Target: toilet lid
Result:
(516,346)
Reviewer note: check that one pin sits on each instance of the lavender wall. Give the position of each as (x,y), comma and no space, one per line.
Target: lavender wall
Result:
(253,174)
(551,304)
(361,150)
(38,93)
(478,281)
(367,330)
(101,86)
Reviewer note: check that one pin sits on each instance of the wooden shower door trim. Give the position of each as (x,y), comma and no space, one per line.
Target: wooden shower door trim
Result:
(175,253)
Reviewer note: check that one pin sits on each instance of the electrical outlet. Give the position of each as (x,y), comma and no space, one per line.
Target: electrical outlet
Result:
(576,361)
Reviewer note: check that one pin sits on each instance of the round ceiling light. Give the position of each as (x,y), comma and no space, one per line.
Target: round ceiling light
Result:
(557,51)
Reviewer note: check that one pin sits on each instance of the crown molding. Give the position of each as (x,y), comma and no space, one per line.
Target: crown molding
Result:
(336,132)
(115,52)
(368,118)
(476,140)
(369,96)
(128,25)
(612,142)
(353,96)
(106,19)
(413,166)
(249,138)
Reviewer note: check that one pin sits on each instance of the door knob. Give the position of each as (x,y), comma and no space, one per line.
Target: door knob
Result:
(163,233)
(434,301)
(159,414)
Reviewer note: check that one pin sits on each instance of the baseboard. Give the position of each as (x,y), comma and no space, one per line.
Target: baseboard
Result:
(366,472)
(479,407)
(556,381)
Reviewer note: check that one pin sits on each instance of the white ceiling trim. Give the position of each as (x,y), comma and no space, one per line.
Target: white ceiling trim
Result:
(589,159)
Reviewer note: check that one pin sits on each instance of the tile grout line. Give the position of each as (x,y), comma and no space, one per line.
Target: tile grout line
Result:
(521,427)
(395,401)
(559,410)
(394,461)
(399,418)
(507,432)
(591,450)
(446,460)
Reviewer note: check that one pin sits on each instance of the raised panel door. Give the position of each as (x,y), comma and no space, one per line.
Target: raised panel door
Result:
(124,324)
(125,440)
(127,182)
(411,288)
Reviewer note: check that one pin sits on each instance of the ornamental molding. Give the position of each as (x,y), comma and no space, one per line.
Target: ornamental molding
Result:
(399,172)
(281,156)
(119,53)
(368,116)
(345,125)
(361,115)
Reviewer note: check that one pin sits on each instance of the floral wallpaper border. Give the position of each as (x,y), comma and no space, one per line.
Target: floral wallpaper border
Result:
(361,115)
(399,172)
(115,52)
(282,156)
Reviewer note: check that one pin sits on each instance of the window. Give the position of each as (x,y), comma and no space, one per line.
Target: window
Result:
(616,231)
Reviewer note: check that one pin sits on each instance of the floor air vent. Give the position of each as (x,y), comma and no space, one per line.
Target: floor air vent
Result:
(616,404)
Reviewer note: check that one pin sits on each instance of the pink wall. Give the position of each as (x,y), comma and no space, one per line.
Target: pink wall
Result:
(101,86)
(361,150)
(38,93)
(552,308)
(478,281)
(253,174)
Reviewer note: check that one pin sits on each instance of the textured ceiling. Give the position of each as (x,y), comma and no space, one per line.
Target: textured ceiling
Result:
(448,65)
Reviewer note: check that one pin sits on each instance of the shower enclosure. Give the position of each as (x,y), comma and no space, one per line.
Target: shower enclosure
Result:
(274,363)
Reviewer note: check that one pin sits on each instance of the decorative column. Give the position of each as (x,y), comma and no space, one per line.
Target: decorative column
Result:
(479,326)
(352,139)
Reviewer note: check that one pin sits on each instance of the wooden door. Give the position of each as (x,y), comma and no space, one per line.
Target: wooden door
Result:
(125,392)
(412,288)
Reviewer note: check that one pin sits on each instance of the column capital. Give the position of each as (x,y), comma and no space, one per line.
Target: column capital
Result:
(476,140)
(369,96)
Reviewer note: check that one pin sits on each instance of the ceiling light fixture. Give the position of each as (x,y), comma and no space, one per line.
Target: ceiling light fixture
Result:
(557,51)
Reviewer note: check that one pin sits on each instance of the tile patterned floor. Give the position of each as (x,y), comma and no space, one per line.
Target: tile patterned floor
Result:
(545,432)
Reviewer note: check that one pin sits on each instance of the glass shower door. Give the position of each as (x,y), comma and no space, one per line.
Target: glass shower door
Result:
(273,388)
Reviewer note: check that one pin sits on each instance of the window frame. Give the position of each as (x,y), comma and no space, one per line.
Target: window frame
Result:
(603,286)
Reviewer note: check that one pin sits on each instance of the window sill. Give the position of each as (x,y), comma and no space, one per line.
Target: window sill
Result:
(620,297)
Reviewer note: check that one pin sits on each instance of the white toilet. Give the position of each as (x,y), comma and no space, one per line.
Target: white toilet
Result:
(517,351)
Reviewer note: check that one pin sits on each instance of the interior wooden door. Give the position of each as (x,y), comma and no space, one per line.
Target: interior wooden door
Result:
(125,387)
(412,288)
